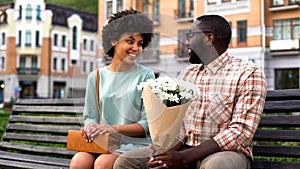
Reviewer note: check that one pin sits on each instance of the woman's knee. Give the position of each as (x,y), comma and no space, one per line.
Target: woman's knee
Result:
(82,160)
(105,161)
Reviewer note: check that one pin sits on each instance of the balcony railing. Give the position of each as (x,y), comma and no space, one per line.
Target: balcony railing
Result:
(184,14)
(28,71)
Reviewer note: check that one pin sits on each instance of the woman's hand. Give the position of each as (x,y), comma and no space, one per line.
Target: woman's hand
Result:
(84,135)
(93,129)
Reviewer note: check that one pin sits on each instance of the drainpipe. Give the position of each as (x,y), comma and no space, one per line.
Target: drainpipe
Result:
(134,4)
(263,35)
(49,61)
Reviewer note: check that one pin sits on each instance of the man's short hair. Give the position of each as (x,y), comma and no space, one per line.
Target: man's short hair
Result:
(217,25)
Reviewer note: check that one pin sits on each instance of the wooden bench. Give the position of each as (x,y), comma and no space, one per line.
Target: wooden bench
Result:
(36,133)
(279,131)
(42,121)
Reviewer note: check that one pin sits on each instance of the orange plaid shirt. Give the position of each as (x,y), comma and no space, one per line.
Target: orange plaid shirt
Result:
(230,104)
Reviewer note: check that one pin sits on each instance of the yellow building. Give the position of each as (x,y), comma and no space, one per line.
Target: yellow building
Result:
(46,50)
(265,32)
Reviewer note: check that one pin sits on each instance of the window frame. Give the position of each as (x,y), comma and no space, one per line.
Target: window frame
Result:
(242,31)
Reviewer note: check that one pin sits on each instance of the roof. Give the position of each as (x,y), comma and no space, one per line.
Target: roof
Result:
(61,13)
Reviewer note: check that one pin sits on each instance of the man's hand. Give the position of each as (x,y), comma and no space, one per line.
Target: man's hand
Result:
(168,159)
(156,164)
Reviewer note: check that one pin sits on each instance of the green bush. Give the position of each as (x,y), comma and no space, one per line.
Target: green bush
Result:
(4,116)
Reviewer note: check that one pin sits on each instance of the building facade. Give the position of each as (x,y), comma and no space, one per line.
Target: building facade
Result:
(264,32)
(46,50)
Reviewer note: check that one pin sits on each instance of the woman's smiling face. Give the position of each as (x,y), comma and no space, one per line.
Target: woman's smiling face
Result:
(128,48)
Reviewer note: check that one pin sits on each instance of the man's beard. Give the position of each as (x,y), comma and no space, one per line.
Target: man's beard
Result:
(194,58)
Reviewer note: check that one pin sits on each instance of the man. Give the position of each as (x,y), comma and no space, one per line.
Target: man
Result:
(219,126)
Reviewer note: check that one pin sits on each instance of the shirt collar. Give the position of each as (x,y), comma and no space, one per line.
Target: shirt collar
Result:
(215,65)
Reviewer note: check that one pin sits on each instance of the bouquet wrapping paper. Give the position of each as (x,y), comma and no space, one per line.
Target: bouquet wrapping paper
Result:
(164,122)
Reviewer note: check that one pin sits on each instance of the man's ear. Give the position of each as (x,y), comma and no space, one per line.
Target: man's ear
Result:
(210,39)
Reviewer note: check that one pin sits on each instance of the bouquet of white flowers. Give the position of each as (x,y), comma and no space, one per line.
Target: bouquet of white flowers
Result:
(170,91)
(166,100)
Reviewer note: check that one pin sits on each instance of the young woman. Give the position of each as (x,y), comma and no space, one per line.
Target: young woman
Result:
(124,38)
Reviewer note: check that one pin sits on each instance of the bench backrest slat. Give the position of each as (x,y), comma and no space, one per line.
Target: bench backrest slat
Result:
(277,135)
(282,106)
(35,137)
(48,109)
(38,149)
(45,119)
(280,121)
(277,151)
(41,128)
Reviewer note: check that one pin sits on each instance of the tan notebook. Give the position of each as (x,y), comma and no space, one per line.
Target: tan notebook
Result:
(102,144)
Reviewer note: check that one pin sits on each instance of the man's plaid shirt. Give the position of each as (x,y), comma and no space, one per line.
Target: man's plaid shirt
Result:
(230,104)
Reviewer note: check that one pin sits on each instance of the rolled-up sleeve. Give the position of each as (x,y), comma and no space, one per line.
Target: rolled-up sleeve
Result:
(249,104)
(90,112)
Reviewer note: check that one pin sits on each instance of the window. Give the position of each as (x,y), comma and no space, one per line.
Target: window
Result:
(109,9)
(74,39)
(20,12)
(84,44)
(119,5)
(287,78)
(20,38)
(34,69)
(28,12)
(146,6)
(242,31)
(293,2)
(28,38)
(211,1)
(182,48)
(278,2)
(151,53)
(22,64)
(37,38)
(63,62)
(55,64)
(3,38)
(286,29)
(230,24)
(191,12)
(91,66)
(156,11)
(181,12)
(55,39)
(2,63)
(186,8)
(38,12)
(113,8)
(92,45)
(63,41)
(84,66)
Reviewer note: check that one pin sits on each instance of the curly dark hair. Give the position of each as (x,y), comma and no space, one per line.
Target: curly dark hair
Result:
(127,21)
